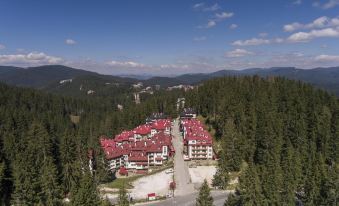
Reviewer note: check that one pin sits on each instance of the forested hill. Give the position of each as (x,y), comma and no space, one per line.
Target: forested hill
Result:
(44,141)
(45,76)
(48,78)
(282,135)
(324,78)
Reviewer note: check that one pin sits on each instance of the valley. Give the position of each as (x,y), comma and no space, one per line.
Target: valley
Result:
(169,103)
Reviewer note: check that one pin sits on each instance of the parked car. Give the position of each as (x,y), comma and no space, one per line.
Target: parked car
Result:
(169,171)
(186,158)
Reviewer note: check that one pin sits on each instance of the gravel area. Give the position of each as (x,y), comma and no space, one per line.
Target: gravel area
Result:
(200,173)
(157,183)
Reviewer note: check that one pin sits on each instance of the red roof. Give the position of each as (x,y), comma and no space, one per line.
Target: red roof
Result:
(154,148)
(161,124)
(137,150)
(112,153)
(194,130)
(143,129)
(151,195)
(123,136)
(107,142)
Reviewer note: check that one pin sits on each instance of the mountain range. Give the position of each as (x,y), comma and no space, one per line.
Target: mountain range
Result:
(48,77)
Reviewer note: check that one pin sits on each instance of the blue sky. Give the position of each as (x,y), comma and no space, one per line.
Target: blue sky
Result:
(169,37)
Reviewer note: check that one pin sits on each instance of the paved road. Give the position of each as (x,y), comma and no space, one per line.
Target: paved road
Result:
(185,194)
(181,174)
(219,198)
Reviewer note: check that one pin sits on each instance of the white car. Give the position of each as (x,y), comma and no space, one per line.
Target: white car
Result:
(169,171)
(186,158)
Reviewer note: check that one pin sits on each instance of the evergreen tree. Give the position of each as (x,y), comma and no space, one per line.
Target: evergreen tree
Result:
(221,177)
(231,146)
(68,161)
(31,169)
(232,200)
(204,198)
(49,185)
(2,178)
(250,188)
(123,198)
(85,194)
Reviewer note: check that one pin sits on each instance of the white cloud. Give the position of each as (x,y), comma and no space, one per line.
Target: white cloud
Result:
(198,5)
(238,53)
(331,4)
(327,58)
(200,38)
(33,58)
(2,46)
(307,36)
(321,22)
(126,64)
(223,15)
(292,27)
(174,66)
(210,24)
(214,7)
(233,26)
(327,5)
(258,41)
(297,2)
(204,7)
(251,42)
(70,41)
(278,40)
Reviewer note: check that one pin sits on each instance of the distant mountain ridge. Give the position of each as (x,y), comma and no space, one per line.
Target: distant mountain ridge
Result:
(325,78)
(39,77)
(43,76)
(48,76)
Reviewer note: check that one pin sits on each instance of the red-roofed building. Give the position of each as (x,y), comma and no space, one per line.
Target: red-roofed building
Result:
(124,137)
(140,148)
(142,132)
(197,140)
(162,125)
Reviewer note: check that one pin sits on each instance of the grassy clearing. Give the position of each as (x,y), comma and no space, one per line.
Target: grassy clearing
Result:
(74,119)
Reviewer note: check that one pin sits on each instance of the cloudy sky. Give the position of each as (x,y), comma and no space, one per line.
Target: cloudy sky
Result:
(169,37)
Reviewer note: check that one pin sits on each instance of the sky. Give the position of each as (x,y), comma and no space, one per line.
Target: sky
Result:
(169,37)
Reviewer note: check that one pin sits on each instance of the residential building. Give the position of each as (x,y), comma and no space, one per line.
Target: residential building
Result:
(197,141)
(146,145)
